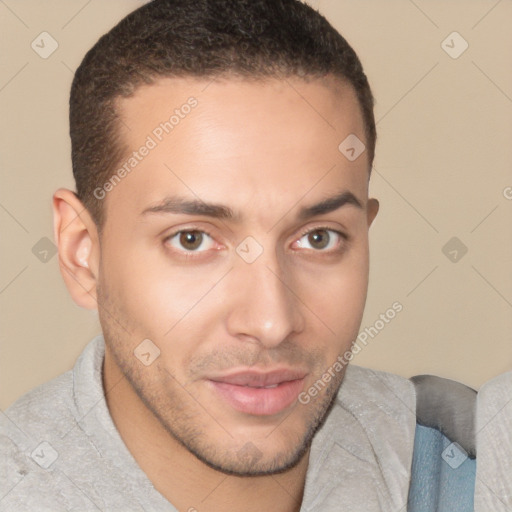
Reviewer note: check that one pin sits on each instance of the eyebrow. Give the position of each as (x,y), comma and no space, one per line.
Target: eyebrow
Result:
(330,204)
(180,205)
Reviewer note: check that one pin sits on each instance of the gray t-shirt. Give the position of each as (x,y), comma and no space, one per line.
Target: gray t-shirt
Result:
(60,450)
(493,490)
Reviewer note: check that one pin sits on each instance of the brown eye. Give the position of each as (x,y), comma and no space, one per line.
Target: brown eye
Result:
(191,240)
(319,239)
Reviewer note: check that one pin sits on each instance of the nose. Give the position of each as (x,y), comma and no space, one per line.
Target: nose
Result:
(264,306)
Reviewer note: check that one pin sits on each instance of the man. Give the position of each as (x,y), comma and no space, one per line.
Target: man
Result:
(221,152)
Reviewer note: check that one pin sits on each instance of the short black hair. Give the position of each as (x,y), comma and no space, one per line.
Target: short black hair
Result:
(198,38)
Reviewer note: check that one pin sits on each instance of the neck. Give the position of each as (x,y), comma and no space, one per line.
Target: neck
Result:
(178,475)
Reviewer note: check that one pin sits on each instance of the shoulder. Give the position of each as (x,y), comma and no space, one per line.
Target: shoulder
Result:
(494,445)
(41,406)
(497,389)
(39,433)
(494,408)
(364,449)
(26,455)
(391,394)
(383,411)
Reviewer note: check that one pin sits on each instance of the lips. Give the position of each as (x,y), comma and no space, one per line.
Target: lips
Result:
(260,394)
(258,379)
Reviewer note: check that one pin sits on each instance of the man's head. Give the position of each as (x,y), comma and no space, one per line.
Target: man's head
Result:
(255,39)
(231,267)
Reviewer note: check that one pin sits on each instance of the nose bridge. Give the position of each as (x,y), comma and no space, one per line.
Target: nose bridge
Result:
(266,307)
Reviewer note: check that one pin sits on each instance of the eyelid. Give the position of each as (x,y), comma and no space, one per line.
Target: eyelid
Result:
(338,232)
(182,229)
(183,252)
(305,231)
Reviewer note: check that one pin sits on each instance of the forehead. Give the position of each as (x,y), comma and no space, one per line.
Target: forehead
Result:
(327,104)
(252,142)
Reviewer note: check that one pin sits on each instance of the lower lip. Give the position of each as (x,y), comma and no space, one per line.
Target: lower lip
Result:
(260,401)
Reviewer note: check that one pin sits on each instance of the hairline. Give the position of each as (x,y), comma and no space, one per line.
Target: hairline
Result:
(330,80)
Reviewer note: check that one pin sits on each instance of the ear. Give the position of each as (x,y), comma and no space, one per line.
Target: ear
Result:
(77,240)
(372,208)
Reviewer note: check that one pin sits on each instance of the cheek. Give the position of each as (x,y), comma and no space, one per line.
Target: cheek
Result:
(175,308)
(336,296)
(155,293)
(352,286)
(341,302)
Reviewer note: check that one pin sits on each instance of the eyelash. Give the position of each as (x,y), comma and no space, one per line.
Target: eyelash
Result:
(198,254)
(188,254)
(342,235)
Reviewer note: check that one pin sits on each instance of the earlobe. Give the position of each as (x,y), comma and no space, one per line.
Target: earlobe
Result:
(371,210)
(76,236)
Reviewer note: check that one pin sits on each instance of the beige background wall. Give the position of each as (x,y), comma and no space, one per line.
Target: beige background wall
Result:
(443,168)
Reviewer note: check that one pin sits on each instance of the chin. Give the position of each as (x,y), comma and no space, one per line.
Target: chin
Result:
(250,461)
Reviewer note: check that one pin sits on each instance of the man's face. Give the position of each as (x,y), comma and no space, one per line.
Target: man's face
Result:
(249,303)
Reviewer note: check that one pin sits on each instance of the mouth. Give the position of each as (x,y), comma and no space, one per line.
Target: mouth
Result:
(259,394)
